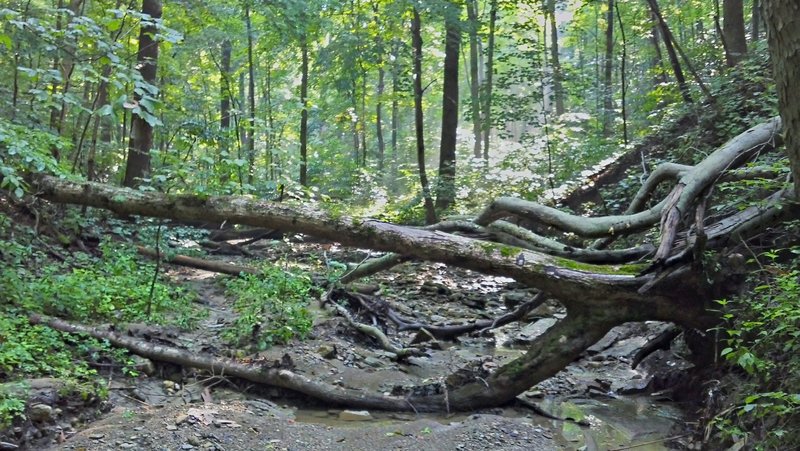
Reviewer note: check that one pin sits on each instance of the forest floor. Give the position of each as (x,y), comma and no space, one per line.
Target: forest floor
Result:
(179,409)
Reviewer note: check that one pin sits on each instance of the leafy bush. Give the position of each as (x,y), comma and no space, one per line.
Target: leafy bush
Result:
(271,307)
(763,339)
(23,149)
(115,288)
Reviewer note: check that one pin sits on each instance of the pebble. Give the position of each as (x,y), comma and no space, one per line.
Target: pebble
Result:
(8,446)
(96,436)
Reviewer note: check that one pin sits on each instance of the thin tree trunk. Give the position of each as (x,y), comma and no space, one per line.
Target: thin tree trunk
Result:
(733,30)
(445,193)
(666,35)
(755,22)
(141,137)
(395,111)
(251,124)
(608,99)
(555,62)
(270,169)
(623,80)
(225,87)
(658,61)
(487,103)
(379,118)
(100,101)
(304,111)
(416,42)
(225,96)
(472,14)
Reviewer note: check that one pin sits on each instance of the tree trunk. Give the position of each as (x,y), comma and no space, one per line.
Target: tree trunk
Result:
(395,111)
(666,35)
(100,100)
(474,86)
(658,59)
(225,97)
(251,84)
(555,61)
(446,189)
(783,33)
(733,31)
(225,87)
(623,76)
(608,96)
(416,43)
(379,120)
(304,111)
(141,137)
(755,22)
(487,102)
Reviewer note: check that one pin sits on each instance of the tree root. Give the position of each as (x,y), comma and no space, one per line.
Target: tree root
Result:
(370,331)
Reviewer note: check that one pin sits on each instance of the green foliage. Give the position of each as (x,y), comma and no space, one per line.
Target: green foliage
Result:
(12,402)
(30,351)
(25,150)
(762,337)
(116,288)
(272,307)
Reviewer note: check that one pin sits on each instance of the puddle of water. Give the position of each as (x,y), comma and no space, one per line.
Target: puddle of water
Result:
(624,422)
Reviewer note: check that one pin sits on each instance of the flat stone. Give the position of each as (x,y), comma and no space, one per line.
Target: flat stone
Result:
(96,436)
(355,415)
(40,412)
(8,446)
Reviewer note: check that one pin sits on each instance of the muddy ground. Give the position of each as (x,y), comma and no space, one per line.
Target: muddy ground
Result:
(176,408)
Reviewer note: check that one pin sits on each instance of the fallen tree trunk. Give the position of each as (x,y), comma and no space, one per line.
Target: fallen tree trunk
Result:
(199,263)
(597,297)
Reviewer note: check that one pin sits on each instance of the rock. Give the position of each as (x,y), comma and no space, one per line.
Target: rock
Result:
(327,351)
(96,436)
(144,365)
(8,446)
(40,413)
(194,441)
(172,427)
(187,446)
(355,415)
(180,419)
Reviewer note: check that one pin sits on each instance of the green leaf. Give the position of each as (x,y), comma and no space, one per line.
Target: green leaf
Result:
(5,40)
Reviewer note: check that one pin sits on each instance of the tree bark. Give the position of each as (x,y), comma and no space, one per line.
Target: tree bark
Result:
(251,97)
(304,110)
(141,138)
(487,101)
(446,189)
(472,14)
(416,42)
(666,36)
(733,31)
(608,99)
(783,33)
(755,21)
(555,61)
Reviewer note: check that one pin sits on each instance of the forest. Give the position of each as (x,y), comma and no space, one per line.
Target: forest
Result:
(405,224)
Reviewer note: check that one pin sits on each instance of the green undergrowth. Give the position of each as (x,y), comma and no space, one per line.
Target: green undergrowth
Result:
(113,287)
(272,307)
(761,335)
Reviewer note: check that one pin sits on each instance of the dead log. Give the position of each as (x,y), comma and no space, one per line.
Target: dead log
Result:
(198,263)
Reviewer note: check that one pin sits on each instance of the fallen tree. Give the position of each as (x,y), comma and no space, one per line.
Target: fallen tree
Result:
(618,287)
